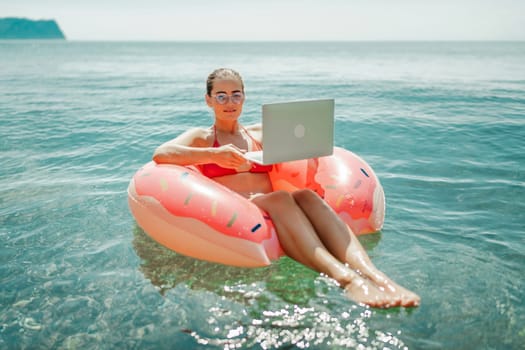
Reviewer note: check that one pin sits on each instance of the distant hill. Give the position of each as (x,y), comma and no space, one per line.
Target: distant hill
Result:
(22,28)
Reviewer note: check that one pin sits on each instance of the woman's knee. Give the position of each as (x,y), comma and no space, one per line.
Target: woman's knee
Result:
(311,203)
(306,195)
(277,199)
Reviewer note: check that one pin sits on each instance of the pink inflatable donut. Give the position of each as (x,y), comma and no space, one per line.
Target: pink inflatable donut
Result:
(193,215)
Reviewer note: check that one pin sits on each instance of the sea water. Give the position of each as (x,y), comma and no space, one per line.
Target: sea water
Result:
(441,123)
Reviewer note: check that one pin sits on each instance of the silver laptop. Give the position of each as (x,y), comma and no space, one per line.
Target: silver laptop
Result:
(295,130)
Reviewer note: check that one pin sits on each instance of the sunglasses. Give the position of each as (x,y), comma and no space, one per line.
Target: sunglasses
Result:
(223,98)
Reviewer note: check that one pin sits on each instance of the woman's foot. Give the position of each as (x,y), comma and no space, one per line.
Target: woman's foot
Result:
(376,290)
(358,260)
(407,298)
(363,291)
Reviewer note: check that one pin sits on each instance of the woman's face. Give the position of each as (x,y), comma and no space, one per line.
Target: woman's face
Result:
(225,89)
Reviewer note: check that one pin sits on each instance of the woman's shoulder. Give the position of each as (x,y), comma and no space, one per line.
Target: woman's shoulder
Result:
(255,131)
(199,132)
(197,136)
(254,127)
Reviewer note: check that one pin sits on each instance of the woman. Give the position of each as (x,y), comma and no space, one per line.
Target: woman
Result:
(308,229)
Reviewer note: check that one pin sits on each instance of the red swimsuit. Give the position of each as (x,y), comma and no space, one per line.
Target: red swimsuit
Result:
(215,170)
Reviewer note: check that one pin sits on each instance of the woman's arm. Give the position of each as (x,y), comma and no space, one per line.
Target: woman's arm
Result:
(192,148)
(186,149)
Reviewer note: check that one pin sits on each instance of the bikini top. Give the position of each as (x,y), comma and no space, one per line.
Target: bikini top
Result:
(214,170)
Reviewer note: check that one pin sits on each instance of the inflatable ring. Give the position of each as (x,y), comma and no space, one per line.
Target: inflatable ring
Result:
(193,215)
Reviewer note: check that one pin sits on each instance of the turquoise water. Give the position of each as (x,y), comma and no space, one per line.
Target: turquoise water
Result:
(442,124)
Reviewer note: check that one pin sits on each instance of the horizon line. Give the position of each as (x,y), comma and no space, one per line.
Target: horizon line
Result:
(269,40)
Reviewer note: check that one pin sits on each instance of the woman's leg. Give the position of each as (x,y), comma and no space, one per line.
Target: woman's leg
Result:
(294,230)
(300,241)
(344,245)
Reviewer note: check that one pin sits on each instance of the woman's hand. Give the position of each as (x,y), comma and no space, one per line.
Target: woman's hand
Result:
(231,156)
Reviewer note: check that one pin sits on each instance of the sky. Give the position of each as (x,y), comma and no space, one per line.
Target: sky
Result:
(278,20)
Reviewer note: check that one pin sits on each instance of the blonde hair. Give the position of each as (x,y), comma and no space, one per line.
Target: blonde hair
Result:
(222,73)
